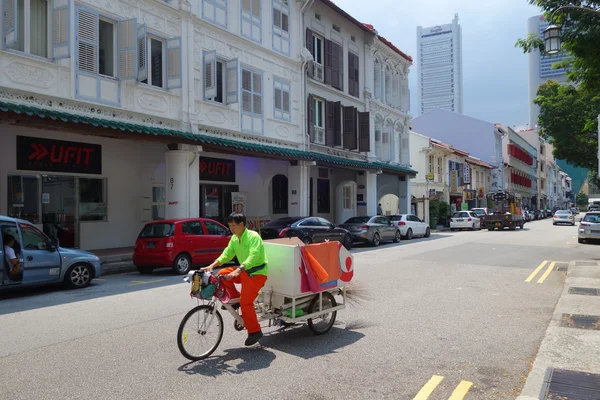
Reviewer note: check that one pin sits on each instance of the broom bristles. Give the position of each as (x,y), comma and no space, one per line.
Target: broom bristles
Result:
(358,293)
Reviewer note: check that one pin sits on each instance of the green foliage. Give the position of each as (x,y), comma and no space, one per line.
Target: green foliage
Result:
(434,210)
(582,199)
(443,213)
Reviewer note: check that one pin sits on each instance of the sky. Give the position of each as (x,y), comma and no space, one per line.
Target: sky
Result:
(495,73)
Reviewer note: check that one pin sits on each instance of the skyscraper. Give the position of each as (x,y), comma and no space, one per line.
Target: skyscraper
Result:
(440,75)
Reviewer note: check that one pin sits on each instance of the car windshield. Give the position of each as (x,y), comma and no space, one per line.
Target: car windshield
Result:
(156,230)
(592,218)
(358,220)
(282,222)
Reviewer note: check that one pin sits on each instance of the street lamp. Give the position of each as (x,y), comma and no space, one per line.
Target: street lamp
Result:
(552,33)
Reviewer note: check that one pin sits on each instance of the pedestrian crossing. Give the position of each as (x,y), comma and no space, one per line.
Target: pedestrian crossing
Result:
(459,393)
(543,271)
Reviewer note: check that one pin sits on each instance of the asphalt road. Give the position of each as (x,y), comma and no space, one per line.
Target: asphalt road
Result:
(452,313)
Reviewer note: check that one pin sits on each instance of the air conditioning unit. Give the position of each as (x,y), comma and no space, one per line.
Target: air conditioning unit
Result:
(318,72)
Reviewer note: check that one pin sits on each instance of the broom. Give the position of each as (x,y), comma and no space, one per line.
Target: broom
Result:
(358,293)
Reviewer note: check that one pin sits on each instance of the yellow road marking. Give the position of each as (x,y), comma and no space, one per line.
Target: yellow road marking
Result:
(98,279)
(429,388)
(550,269)
(534,273)
(461,390)
(144,283)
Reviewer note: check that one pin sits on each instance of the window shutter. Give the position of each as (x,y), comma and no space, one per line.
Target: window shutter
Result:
(277,18)
(328,61)
(377,81)
(329,123)
(278,105)
(340,67)
(174,63)
(286,99)
(309,38)
(351,87)
(337,108)
(128,49)
(142,44)
(60,29)
(350,128)
(232,81)
(87,41)
(210,74)
(10,22)
(310,117)
(364,133)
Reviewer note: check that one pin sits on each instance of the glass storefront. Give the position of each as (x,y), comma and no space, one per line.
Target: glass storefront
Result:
(58,203)
(216,202)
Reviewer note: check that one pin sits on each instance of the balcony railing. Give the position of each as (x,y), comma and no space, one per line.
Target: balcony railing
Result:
(318,72)
(319,135)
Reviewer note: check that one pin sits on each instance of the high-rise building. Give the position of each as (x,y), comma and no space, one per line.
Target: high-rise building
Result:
(440,74)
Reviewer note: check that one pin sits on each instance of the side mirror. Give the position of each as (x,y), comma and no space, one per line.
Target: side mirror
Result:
(54,243)
(331,226)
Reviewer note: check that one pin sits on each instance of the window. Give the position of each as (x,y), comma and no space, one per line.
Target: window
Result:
(252,101)
(282,100)
(192,228)
(279,194)
(311,222)
(318,121)
(155,61)
(23,198)
(336,28)
(347,197)
(215,229)
(318,49)
(323,196)
(33,38)
(324,222)
(430,165)
(92,200)
(156,230)
(317,17)
(281,27)
(440,167)
(106,48)
(32,238)
(251,20)
(220,78)
(215,11)
(159,202)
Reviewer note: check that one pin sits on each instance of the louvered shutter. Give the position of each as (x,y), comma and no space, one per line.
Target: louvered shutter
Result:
(60,29)
(328,61)
(337,109)
(310,117)
(87,41)
(340,67)
(128,49)
(232,81)
(142,45)
(277,18)
(350,122)
(309,39)
(174,63)
(210,74)
(329,124)
(10,22)
(364,132)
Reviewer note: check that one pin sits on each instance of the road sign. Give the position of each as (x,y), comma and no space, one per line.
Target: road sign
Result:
(430,176)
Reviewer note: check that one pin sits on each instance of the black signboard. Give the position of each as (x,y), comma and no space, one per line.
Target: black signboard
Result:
(217,169)
(49,155)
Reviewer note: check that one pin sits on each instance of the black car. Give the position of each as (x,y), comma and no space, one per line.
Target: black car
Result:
(307,229)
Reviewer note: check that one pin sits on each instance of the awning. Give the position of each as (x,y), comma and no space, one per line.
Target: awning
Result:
(198,139)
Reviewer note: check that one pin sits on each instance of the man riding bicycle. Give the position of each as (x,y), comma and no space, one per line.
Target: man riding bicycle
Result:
(248,247)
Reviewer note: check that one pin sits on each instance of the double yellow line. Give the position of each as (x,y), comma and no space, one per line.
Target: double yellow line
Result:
(459,393)
(538,269)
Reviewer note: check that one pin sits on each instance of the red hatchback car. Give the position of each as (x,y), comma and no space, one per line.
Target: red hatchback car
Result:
(179,244)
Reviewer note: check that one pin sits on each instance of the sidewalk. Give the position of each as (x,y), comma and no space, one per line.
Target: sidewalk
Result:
(569,356)
(116,261)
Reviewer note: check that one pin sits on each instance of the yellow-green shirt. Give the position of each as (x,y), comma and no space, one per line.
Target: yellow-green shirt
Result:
(248,249)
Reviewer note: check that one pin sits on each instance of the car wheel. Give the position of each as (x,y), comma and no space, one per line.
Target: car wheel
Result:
(182,264)
(144,270)
(428,233)
(452,229)
(348,242)
(409,234)
(376,240)
(581,241)
(78,276)
(397,237)
(307,240)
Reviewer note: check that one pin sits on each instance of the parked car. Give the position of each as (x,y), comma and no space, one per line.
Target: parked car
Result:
(410,225)
(589,228)
(481,212)
(307,229)
(526,215)
(465,220)
(372,230)
(532,215)
(563,217)
(179,244)
(574,210)
(42,259)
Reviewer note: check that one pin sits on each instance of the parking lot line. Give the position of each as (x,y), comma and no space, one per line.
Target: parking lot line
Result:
(550,269)
(461,390)
(429,387)
(135,283)
(534,273)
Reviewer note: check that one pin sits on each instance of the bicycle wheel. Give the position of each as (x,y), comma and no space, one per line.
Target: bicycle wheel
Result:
(200,332)
(323,323)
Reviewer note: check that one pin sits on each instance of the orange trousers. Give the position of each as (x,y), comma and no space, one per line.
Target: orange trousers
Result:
(251,285)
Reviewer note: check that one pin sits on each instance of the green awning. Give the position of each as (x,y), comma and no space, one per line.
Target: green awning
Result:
(200,139)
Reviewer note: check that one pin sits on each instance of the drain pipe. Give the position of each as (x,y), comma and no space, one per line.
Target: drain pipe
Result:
(306,59)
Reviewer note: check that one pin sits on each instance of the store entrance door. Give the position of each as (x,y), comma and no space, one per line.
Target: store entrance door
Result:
(215,201)
(59,209)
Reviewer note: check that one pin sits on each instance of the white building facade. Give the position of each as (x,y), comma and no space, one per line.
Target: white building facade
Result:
(116,113)
(440,68)
(520,168)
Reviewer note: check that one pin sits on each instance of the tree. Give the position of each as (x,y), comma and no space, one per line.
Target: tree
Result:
(582,199)
(568,113)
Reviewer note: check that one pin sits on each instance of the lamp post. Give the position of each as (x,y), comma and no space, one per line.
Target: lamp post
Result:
(552,45)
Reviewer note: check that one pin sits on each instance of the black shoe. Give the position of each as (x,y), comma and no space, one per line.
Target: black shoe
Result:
(235,306)
(253,338)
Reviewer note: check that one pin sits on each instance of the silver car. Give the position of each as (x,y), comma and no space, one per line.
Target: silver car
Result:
(372,230)
(589,228)
(563,217)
